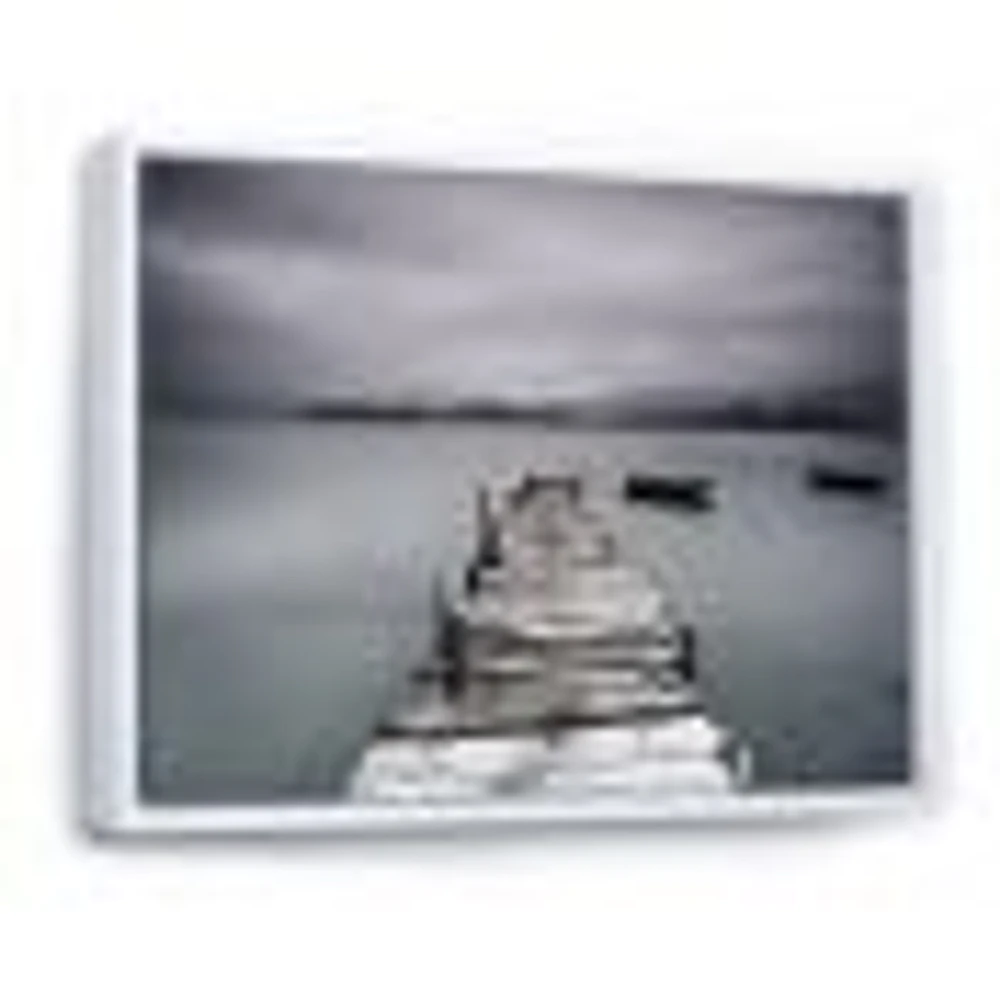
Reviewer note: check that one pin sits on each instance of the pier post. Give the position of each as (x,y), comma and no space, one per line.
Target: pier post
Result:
(487,533)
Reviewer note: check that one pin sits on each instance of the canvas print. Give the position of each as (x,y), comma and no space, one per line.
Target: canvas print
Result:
(479,487)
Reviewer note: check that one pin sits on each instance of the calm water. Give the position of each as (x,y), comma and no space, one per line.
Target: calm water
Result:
(289,566)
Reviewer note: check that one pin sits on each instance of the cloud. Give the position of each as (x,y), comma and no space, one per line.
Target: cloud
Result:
(296,281)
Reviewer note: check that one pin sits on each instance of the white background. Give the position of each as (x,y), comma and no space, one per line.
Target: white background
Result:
(897,906)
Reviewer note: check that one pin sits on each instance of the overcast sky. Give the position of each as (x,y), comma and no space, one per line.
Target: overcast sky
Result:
(285,282)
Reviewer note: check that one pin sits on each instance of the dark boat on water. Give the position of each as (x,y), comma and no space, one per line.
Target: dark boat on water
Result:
(688,493)
(836,479)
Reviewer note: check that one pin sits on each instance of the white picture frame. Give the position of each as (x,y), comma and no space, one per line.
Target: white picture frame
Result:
(110,798)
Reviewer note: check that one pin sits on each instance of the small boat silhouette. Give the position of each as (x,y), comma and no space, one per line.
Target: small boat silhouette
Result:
(690,493)
(838,479)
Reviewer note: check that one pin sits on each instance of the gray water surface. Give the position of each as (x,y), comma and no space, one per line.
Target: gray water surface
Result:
(289,564)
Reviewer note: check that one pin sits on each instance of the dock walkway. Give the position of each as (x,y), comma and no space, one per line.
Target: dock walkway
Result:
(560,669)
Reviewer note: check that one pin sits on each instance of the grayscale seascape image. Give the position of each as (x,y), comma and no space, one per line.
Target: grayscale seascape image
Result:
(467,487)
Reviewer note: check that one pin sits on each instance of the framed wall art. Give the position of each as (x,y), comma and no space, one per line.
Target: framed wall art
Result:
(458,493)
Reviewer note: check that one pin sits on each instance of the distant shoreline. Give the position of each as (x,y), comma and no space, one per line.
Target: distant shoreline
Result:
(548,419)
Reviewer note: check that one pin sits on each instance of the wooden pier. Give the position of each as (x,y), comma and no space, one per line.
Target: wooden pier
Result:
(559,669)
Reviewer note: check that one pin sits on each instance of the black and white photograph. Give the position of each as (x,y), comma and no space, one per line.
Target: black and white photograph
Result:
(508,487)
(500,499)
